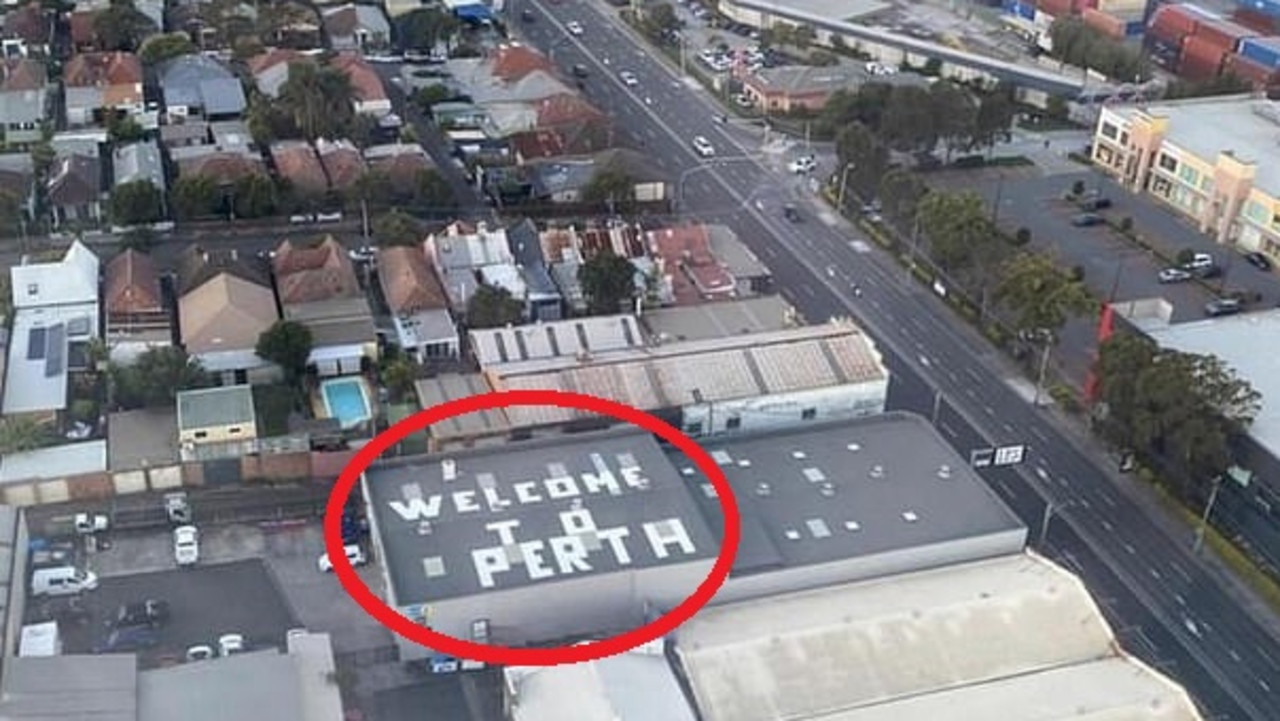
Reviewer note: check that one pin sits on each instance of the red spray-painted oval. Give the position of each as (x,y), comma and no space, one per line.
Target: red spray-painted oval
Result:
(507,655)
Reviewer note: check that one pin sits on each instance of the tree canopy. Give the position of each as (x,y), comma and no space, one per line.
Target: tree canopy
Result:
(958,229)
(608,281)
(425,28)
(1041,295)
(863,160)
(913,119)
(397,228)
(136,203)
(318,99)
(24,433)
(159,48)
(1075,43)
(155,378)
(288,344)
(120,26)
(612,188)
(493,307)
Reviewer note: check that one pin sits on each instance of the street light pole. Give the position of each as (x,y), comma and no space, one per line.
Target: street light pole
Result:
(995,209)
(1044,369)
(844,182)
(1204,518)
(1049,508)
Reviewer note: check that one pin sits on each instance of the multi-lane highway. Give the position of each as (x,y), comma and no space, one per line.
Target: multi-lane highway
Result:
(1168,605)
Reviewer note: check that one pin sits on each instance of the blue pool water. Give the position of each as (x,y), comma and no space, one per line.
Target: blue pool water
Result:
(345,400)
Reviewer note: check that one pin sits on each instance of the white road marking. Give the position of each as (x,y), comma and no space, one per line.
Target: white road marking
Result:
(924,361)
(1156,574)
(1038,434)
(1130,550)
(990,411)
(948,429)
(1107,525)
(1265,687)
(1181,601)
(1041,473)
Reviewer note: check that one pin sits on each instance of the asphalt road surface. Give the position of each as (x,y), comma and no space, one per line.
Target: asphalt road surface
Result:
(1170,607)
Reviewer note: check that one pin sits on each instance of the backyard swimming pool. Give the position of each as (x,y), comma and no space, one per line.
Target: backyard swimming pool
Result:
(346,400)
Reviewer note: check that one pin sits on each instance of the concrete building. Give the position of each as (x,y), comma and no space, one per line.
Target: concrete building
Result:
(215,415)
(1214,160)
(579,338)
(635,686)
(706,321)
(755,382)
(545,541)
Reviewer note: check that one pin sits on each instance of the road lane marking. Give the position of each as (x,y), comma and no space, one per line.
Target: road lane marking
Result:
(1264,685)
(1107,525)
(1234,656)
(1130,550)
(1035,431)
(808,289)
(1156,574)
(1181,601)
(990,411)
(1009,429)
(948,429)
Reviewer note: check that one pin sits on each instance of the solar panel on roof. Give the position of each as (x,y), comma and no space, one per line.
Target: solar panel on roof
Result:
(35,344)
(55,351)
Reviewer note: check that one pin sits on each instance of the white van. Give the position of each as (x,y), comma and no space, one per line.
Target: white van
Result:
(62,581)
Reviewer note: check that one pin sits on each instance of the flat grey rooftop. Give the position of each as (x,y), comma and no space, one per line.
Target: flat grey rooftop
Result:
(441,539)
(719,319)
(829,492)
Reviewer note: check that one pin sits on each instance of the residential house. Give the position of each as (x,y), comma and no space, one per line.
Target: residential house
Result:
(26,32)
(798,87)
(84,141)
(23,100)
(564,180)
(465,256)
(82,21)
(370,94)
(750,275)
(270,69)
(400,163)
(356,27)
(74,190)
(139,161)
(297,164)
(216,415)
(418,304)
(684,258)
(543,300)
(318,288)
(138,317)
(229,157)
(94,81)
(17,179)
(563,125)
(56,316)
(567,249)
(225,303)
(193,132)
(198,86)
(343,164)
(458,114)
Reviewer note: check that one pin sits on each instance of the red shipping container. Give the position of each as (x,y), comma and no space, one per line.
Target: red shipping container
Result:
(1056,8)
(1259,22)
(1201,59)
(1109,25)
(1255,72)
(1175,21)
(1224,34)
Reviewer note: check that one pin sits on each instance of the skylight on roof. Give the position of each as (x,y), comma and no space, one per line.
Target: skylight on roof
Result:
(910,516)
(722,457)
(815,475)
(799,455)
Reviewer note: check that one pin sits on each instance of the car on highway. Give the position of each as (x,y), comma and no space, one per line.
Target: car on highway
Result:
(355,556)
(1258,260)
(201,652)
(1223,306)
(527,16)
(186,545)
(803,165)
(152,613)
(574,27)
(1199,261)
(704,147)
(629,78)
(230,644)
(792,213)
(579,71)
(127,640)
(1087,220)
(1174,275)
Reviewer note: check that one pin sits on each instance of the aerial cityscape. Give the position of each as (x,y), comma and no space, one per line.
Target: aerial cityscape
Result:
(955,296)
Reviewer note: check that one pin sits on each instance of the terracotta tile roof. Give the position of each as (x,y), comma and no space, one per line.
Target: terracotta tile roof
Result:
(102,69)
(225,313)
(402,168)
(23,74)
(307,274)
(513,61)
(28,23)
(342,162)
(341,21)
(685,253)
(298,164)
(82,32)
(197,266)
(364,79)
(226,168)
(131,285)
(565,108)
(569,139)
(408,282)
(263,62)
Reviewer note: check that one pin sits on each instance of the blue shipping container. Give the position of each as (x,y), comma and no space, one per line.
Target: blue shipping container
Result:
(1266,7)
(1264,51)
(1134,29)
(1027,11)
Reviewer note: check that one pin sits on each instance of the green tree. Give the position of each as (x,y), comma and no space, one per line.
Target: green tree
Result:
(195,196)
(156,377)
(399,375)
(139,239)
(167,46)
(1056,107)
(22,433)
(900,194)
(493,307)
(431,192)
(397,228)
(802,36)
(612,188)
(608,281)
(318,99)
(121,27)
(429,96)
(909,124)
(1226,84)
(863,160)
(374,189)
(660,19)
(122,129)
(425,28)
(995,114)
(268,121)
(957,228)
(11,214)
(1041,295)
(288,344)
(255,196)
(955,115)
(136,203)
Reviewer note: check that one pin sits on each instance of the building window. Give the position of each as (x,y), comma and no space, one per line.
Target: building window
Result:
(733,424)
(694,429)
(33,289)
(201,434)
(234,430)
(1168,162)
(808,414)
(1254,211)
(1189,175)
(1110,131)
(1124,138)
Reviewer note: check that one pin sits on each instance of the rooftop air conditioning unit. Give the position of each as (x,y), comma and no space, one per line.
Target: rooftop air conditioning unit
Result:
(449,468)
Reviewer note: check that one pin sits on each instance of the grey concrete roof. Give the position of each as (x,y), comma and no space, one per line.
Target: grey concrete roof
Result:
(435,532)
(61,461)
(201,82)
(572,338)
(142,439)
(635,686)
(223,406)
(719,319)
(526,248)
(139,161)
(735,254)
(452,386)
(71,688)
(259,685)
(824,493)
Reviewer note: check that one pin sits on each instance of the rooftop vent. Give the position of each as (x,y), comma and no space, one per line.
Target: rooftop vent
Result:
(827,490)
(576,504)
(853,447)
(687,471)
(814,475)
(851,526)
(709,490)
(791,534)
(744,463)
(799,455)
(877,471)
(944,471)
(910,516)
(424,528)
(449,468)
(763,489)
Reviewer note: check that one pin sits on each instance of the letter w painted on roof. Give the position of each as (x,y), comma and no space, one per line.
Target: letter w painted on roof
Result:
(417,509)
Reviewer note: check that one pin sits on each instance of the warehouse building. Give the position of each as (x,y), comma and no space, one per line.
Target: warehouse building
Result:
(547,540)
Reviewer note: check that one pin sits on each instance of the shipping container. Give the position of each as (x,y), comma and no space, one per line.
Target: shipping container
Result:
(1025,10)
(1134,28)
(1172,23)
(1109,25)
(1262,76)
(1268,8)
(1201,59)
(1223,34)
(1256,20)
(1057,8)
(1112,7)
(1264,51)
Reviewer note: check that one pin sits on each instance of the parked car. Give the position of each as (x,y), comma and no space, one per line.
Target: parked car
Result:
(1174,275)
(1199,261)
(355,556)
(202,652)
(230,643)
(364,254)
(580,71)
(1087,220)
(704,147)
(151,612)
(62,581)
(527,15)
(629,78)
(802,165)
(574,27)
(791,213)
(1258,260)
(127,640)
(186,545)
(1094,201)
(1223,306)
